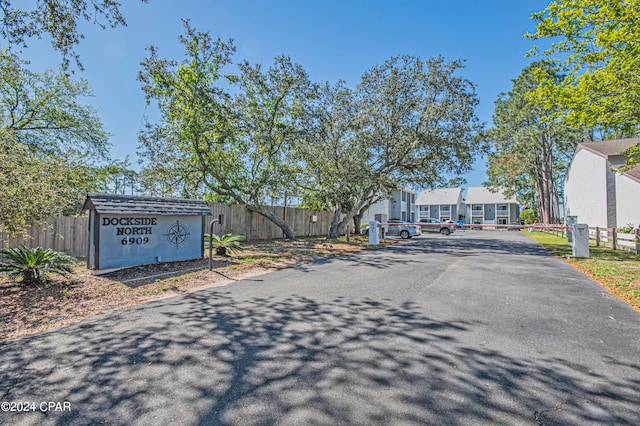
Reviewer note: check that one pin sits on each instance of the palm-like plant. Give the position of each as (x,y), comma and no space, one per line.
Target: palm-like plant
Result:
(228,243)
(32,265)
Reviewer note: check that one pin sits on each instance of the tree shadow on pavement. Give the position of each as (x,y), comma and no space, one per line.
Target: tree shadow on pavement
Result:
(477,243)
(461,245)
(210,358)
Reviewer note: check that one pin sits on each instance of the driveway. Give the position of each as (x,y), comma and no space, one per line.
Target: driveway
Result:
(475,328)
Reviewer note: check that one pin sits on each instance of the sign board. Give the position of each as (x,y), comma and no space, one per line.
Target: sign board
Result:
(130,230)
(138,240)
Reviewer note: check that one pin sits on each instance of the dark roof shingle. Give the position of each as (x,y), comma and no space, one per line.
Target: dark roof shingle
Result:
(634,172)
(610,148)
(613,151)
(137,205)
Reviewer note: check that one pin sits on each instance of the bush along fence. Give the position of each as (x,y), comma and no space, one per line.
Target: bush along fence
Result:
(70,235)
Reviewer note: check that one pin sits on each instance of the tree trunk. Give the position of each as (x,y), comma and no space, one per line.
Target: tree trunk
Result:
(543,181)
(337,225)
(539,198)
(280,222)
(547,177)
(357,224)
(334,228)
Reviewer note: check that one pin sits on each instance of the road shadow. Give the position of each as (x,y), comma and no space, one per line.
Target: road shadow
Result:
(468,244)
(476,243)
(212,358)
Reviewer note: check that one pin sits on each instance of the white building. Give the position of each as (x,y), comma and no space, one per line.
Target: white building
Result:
(400,205)
(595,192)
(486,207)
(444,204)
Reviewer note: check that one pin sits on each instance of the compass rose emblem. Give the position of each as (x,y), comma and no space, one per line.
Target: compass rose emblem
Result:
(177,234)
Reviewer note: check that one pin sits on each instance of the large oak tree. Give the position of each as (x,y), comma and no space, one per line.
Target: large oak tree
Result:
(408,122)
(225,135)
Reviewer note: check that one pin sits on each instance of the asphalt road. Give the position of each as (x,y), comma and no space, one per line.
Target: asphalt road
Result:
(478,328)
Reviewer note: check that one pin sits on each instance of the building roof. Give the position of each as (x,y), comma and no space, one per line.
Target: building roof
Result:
(482,195)
(136,205)
(612,151)
(634,172)
(611,148)
(439,196)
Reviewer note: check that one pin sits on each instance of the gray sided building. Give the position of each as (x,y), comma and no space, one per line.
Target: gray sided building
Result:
(490,208)
(444,204)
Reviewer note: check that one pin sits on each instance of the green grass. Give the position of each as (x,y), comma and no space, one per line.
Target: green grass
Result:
(258,260)
(617,270)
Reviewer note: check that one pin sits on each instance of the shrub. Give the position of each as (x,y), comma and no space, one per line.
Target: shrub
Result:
(32,265)
(228,243)
(627,229)
(528,216)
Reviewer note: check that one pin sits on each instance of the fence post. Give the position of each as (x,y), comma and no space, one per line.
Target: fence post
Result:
(637,240)
(597,236)
(614,238)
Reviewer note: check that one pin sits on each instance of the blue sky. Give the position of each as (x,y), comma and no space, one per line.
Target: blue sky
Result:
(331,39)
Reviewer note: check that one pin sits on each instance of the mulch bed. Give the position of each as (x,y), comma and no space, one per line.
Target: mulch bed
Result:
(65,300)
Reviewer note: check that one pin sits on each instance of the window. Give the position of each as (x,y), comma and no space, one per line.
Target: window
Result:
(424,208)
(502,221)
(503,208)
(444,208)
(476,208)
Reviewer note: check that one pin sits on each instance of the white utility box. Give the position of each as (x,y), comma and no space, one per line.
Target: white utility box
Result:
(374,235)
(580,240)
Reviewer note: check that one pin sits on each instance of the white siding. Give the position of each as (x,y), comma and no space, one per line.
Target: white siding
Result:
(381,207)
(628,200)
(586,189)
(400,205)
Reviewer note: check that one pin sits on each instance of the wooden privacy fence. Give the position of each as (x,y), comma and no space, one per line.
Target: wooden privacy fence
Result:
(237,219)
(71,234)
(66,234)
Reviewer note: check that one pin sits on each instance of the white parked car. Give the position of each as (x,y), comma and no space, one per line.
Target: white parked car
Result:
(398,229)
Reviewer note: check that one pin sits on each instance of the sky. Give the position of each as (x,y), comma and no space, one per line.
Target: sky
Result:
(331,39)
